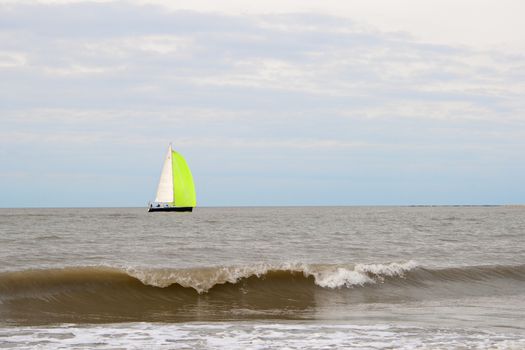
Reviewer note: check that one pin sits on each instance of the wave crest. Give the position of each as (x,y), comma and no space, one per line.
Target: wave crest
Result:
(326,276)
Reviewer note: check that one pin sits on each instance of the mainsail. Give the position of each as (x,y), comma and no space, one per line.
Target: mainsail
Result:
(176,185)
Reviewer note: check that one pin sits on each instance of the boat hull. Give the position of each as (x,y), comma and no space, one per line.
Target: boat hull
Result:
(179,209)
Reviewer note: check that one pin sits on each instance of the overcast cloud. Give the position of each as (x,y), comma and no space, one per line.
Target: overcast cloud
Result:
(269,107)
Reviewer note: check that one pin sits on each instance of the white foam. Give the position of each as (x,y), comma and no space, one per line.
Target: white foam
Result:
(341,277)
(252,335)
(392,269)
(358,275)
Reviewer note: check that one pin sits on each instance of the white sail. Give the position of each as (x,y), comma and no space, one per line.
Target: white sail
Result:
(165,188)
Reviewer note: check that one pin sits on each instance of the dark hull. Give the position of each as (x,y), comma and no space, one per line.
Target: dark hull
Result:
(159,209)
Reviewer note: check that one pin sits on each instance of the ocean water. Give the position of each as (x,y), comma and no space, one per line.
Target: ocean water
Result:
(259,278)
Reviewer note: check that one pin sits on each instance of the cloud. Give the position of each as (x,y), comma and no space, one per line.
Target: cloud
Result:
(12,59)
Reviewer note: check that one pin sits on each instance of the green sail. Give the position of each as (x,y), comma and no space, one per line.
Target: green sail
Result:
(183,187)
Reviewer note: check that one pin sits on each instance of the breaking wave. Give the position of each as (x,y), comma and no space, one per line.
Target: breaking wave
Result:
(327,276)
(92,294)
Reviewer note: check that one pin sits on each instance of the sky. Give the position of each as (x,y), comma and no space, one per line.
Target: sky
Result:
(285,102)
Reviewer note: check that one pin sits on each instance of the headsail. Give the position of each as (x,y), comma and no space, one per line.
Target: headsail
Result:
(165,188)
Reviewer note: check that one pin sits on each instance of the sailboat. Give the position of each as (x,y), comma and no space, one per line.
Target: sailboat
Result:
(176,190)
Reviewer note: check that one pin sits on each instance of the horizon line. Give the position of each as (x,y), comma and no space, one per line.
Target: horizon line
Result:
(283,206)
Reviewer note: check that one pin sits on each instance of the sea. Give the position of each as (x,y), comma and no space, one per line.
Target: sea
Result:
(263,278)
